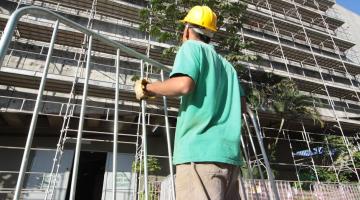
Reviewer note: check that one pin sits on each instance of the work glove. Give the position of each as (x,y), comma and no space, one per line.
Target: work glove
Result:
(140,91)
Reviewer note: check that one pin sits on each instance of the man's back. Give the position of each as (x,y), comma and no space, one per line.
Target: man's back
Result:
(209,122)
(207,140)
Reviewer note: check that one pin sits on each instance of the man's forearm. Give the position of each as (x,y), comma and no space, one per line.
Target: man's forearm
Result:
(176,86)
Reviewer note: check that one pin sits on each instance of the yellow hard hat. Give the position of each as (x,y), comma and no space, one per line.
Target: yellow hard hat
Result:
(202,16)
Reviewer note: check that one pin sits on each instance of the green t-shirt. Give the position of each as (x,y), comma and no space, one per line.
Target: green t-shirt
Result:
(209,123)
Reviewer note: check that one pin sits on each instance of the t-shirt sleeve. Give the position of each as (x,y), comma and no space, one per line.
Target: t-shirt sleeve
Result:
(187,61)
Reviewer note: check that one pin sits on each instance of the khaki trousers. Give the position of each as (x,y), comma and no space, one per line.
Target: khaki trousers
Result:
(207,181)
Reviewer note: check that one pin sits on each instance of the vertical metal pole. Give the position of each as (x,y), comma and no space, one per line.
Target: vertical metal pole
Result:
(307,138)
(330,100)
(116,119)
(332,159)
(295,165)
(19,3)
(144,140)
(276,31)
(266,160)
(69,112)
(350,78)
(250,171)
(137,159)
(257,159)
(81,124)
(168,142)
(34,118)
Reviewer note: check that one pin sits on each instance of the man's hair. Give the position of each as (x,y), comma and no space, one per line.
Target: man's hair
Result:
(202,37)
(197,30)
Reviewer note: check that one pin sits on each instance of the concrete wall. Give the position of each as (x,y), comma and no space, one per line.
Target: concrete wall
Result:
(352,24)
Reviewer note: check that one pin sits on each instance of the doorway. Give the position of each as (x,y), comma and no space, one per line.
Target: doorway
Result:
(90,175)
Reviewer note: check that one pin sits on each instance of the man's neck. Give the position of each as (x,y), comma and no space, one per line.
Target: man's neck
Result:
(194,38)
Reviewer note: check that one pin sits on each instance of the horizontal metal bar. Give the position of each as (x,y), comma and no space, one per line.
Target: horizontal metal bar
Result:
(100,140)
(38,11)
(22,148)
(102,132)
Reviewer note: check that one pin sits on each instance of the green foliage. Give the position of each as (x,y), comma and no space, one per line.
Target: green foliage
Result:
(281,95)
(160,20)
(152,195)
(135,78)
(340,158)
(153,165)
(307,176)
(356,157)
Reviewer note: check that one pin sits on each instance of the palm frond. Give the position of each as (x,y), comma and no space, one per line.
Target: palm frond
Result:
(283,97)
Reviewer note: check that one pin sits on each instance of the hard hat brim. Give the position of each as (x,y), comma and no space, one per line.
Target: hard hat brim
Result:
(184,21)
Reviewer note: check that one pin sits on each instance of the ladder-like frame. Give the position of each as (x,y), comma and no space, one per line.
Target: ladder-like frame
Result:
(91,35)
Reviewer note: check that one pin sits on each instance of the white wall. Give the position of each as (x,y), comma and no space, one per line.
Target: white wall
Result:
(352,24)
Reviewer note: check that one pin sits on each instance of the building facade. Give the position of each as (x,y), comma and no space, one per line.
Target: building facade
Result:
(303,40)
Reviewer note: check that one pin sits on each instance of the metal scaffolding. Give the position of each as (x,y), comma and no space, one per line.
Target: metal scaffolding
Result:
(297,39)
(90,35)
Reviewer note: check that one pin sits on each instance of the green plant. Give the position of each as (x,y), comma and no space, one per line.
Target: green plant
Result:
(153,165)
(306,176)
(135,78)
(340,157)
(160,20)
(334,145)
(281,96)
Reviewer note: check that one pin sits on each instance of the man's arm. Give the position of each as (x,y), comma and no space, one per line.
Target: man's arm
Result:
(175,86)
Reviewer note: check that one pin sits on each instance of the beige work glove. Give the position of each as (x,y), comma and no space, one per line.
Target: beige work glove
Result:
(140,91)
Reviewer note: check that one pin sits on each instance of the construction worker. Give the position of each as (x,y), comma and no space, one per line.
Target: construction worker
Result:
(207,139)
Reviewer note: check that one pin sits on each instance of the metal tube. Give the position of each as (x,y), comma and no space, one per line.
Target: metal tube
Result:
(266,160)
(247,159)
(257,158)
(295,166)
(34,118)
(307,139)
(65,126)
(137,173)
(81,123)
(330,100)
(34,10)
(242,189)
(348,75)
(168,142)
(144,140)
(116,119)
(8,33)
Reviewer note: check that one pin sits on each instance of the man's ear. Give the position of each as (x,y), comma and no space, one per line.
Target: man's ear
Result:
(187,33)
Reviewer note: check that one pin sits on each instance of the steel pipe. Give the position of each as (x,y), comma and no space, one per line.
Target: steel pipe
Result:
(116,120)
(263,152)
(168,142)
(256,157)
(81,123)
(144,138)
(37,11)
(36,111)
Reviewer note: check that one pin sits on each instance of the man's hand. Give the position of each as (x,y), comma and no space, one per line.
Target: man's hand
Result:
(140,89)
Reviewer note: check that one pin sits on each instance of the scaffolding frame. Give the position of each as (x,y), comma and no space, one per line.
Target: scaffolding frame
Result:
(5,41)
(294,13)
